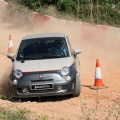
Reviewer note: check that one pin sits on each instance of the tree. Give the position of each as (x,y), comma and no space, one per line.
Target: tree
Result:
(97,11)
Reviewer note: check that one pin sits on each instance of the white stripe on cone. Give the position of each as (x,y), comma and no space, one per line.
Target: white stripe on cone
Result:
(10,44)
(98,73)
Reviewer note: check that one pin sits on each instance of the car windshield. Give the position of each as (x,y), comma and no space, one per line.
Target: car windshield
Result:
(42,48)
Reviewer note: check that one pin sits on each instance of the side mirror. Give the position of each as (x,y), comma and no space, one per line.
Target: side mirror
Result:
(11,56)
(77,51)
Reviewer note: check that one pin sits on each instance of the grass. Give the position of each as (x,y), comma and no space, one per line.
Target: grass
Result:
(3,97)
(7,114)
(114,110)
(20,114)
(42,117)
(95,113)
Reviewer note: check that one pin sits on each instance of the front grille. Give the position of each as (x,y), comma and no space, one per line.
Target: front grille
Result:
(55,89)
(42,91)
(38,91)
(41,80)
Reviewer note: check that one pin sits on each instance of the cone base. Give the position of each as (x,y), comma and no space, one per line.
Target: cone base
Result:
(9,55)
(98,82)
(98,87)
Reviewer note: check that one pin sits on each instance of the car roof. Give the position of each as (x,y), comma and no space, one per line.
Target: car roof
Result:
(42,35)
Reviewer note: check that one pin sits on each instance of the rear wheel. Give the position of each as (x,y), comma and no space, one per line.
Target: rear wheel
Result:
(77,87)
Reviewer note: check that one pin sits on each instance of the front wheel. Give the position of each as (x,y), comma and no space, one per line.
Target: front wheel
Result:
(11,97)
(77,87)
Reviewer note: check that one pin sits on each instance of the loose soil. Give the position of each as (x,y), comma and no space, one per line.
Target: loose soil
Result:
(95,104)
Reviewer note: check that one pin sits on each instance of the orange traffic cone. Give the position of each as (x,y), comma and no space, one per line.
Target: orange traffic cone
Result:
(98,78)
(10,53)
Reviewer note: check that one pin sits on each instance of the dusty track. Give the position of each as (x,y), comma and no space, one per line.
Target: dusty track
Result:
(66,108)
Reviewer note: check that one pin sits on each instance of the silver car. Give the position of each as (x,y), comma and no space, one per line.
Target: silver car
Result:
(45,65)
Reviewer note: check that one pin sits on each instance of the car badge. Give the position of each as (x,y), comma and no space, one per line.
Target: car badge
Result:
(41,77)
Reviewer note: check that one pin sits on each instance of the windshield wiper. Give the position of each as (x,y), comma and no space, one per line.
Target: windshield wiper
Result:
(23,58)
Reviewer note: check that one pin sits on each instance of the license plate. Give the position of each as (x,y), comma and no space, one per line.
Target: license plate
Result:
(42,87)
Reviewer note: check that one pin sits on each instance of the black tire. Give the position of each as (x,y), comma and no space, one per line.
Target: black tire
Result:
(11,97)
(14,99)
(77,87)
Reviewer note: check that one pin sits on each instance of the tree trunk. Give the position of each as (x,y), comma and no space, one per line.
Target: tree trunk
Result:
(97,11)
(91,10)
(78,8)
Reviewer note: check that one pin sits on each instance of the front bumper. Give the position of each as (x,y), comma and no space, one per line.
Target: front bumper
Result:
(52,84)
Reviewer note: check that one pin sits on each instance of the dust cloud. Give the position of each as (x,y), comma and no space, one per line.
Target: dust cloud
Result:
(103,47)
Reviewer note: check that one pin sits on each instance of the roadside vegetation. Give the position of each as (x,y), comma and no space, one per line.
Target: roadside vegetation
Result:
(111,112)
(19,114)
(7,114)
(104,12)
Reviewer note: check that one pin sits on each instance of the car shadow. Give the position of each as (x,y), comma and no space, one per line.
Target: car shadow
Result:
(86,86)
(43,99)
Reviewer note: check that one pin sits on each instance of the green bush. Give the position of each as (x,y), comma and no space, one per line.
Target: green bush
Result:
(94,11)
(20,114)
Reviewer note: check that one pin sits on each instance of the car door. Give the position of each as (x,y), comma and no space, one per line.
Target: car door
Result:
(76,58)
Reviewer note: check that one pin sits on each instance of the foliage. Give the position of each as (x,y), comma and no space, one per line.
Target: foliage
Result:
(68,6)
(19,114)
(3,97)
(13,115)
(95,11)
(95,113)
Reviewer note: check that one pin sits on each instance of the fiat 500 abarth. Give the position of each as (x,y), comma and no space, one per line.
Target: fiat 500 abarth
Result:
(45,65)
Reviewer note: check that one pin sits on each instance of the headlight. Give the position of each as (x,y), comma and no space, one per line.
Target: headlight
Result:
(65,71)
(18,73)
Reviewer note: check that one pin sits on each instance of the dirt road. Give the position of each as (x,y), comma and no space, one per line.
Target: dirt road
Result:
(66,108)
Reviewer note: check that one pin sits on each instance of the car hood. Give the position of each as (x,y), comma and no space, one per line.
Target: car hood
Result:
(43,65)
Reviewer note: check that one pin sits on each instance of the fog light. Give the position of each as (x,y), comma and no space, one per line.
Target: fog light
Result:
(68,78)
(15,82)
(24,90)
(60,87)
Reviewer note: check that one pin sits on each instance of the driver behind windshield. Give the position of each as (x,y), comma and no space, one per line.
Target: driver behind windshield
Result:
(46,48)
(59,48)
